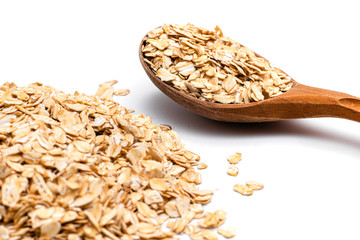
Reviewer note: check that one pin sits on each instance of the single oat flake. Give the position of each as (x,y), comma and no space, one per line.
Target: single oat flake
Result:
(243,189)
(202,165)
(235,158)
(232,170)
(229,232)
(74,166)
(255,185)
(211,67)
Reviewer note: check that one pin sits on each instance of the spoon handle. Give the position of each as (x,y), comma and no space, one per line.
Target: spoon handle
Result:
(310,102)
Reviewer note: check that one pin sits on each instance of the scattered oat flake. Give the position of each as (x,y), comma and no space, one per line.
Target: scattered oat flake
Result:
(202,165)
(243,189)
(235,158)
(232,170)
(229,232)
(255,185)
(121,92)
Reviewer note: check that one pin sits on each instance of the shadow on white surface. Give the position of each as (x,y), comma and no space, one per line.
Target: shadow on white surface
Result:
(167,111)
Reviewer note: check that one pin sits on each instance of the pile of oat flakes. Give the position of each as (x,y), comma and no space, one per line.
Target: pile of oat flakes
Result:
(83,167)
(211,67)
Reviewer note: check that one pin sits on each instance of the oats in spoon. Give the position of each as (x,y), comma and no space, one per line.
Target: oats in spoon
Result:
(209,66)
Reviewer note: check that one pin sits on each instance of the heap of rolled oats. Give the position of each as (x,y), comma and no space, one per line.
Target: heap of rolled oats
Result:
(211,67)
(83,167)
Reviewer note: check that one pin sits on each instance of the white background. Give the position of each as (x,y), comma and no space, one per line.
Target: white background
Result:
(310,168)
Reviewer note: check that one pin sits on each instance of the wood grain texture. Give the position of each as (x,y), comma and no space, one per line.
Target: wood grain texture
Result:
(299,102)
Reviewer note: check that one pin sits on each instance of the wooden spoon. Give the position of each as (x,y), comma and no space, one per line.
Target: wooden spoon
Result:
(299,102)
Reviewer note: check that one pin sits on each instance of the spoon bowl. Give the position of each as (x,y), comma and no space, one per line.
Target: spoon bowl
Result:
(300,101)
